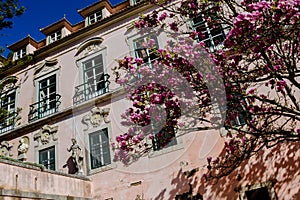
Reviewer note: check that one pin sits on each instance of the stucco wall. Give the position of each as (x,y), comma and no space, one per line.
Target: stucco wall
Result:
(21,180)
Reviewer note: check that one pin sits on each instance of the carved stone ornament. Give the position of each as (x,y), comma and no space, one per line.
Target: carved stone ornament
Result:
(8,83)
(88,47)
(96,117)
(5,149)
(23,148)
(46,67)
(46,135)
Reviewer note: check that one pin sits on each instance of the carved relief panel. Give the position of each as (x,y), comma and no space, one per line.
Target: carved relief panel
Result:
(96,117)
(5,149)
(88,47)
(46,135)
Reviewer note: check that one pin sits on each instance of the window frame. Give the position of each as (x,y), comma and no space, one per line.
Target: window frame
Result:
(208,30)
(48,95)
(80,64)
(95,17)
(103,168)
(48,157)
(54,36)
(99,150)
(147,52)
(240,119)
(94,67)
(37,81)
(20,53)
(134,2)
(156,146)
(169,147)
(10,110)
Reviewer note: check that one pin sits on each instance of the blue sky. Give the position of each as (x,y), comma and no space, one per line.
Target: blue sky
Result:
(40,14)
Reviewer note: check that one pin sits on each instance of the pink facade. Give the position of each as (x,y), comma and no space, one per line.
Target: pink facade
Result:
(59,103)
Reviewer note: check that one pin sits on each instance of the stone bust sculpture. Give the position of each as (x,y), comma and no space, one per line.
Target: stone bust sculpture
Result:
(23,148)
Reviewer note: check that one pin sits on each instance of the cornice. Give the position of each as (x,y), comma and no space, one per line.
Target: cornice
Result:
(89,30)
(44,51)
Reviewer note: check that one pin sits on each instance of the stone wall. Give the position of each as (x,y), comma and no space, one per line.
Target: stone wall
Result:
(31,181)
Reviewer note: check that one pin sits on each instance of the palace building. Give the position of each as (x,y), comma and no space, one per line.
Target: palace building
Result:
(64,112)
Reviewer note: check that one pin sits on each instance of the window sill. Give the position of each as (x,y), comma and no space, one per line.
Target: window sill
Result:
(101,169)
(166,150)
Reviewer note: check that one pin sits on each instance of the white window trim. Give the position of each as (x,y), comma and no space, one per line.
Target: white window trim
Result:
(130,41)
(134,2)
(210,37)
(92,130)
(16,91)
(42,77)
(19,53)
(80,62)
(55,34)
(168,149)
(95,16)
(44,147)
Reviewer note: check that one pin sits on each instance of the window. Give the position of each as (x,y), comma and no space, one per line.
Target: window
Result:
(235,111)
(211,35)
(260,191)
(99,149)
(134,2)
(141,52)
(163,139)
(95,17)
(47,158)
(20,53)
(94,74)
(258,194)
(54,36)
(47,96)
(8,114)
(95,82)
(48,99)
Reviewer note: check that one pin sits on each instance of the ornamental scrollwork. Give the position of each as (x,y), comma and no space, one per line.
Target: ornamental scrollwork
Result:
(46,135)
(5,149)
(96,117)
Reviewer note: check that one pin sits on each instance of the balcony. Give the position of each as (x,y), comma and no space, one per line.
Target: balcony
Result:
(45,107)
(87,91)
(8,123)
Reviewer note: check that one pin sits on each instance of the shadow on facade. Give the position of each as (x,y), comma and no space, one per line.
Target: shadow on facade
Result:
(279,165)
(71,166)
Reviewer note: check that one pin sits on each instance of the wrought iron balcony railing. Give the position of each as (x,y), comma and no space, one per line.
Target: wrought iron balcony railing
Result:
(87,91)
(8,123)
(45,107)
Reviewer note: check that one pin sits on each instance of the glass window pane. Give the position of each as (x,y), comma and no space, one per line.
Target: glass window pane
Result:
(99,149)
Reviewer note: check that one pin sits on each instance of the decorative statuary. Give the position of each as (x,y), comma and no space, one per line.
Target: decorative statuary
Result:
(96,117)
(23,148)
(77,156)
(46,135)
(5,149)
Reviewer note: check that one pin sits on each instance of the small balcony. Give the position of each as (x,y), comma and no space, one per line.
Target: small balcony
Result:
(87,91)
(8,122)
(45,107)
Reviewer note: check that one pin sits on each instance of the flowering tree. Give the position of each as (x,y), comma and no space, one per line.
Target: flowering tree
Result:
(255,70)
